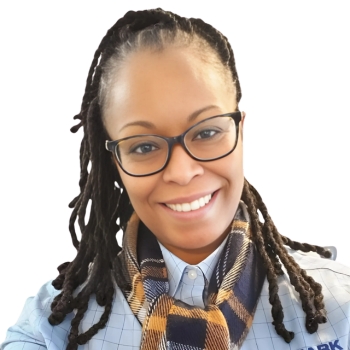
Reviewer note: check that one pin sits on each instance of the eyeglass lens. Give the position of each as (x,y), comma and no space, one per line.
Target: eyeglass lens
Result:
(208,140)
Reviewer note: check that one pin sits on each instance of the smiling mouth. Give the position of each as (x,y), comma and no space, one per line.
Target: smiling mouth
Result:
(195,205)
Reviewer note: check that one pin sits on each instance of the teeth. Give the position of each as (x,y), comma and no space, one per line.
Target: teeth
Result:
(196,204)
(186,207)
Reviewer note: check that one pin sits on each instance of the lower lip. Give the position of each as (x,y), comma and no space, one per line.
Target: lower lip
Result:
(193,214)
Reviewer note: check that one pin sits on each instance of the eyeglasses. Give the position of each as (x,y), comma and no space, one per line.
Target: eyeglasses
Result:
(210,139)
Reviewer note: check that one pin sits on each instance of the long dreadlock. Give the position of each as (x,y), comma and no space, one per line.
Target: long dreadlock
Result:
(96,266)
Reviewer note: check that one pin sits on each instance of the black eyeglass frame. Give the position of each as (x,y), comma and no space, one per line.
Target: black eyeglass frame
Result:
(112,145)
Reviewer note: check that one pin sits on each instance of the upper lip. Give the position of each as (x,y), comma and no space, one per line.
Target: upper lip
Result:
(188,199)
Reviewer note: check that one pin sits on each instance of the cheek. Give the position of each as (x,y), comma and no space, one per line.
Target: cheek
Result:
(231,167)
(139,190)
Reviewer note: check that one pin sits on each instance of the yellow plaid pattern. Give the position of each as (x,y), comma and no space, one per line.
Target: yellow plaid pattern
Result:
(168,323)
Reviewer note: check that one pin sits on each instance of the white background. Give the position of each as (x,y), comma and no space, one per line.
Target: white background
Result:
(293,62)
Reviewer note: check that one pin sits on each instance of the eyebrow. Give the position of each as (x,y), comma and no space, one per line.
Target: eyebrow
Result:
(150,125)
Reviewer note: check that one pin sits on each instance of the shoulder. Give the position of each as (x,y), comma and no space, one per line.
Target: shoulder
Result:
(35,312)
(33,331)
(37,306)
(335,281)
(325,271)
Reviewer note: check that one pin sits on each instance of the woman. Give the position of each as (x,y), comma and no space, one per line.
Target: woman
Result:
(163,133)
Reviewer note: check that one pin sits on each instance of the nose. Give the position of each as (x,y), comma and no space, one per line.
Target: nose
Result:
(181,168)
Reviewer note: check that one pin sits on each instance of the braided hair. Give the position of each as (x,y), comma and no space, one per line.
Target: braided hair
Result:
(96,266)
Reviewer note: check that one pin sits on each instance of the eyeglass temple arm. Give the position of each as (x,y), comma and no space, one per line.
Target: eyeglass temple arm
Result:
(107,145)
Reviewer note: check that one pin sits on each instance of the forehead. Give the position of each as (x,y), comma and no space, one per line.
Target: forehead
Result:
(173,82)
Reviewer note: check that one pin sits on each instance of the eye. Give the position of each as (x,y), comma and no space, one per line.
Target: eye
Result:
(206,134)
(143,148)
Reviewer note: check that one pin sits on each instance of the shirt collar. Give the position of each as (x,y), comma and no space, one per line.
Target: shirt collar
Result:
(175,266)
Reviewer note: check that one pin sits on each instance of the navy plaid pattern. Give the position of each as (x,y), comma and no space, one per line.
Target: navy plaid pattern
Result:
(123,331)
(227,316)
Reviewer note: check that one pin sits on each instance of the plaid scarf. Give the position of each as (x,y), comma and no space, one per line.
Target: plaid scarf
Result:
(230,297)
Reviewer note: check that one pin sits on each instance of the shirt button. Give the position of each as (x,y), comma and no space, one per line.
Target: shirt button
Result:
(192,274)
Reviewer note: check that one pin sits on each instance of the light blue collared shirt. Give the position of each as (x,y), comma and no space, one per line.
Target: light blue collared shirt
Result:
(123,331)
(187,282)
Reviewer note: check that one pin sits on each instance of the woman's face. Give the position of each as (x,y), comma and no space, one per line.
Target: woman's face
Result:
(156,93)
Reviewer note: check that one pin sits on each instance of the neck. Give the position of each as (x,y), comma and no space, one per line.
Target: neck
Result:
(197,255)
